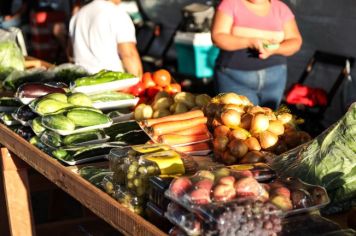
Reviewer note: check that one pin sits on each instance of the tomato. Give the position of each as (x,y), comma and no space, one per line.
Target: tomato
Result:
(147,80)
(152,91)
(137,89)
(141,100)
(162,77)
(173,88)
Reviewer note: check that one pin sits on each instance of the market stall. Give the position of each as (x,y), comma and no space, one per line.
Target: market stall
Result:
(145,156)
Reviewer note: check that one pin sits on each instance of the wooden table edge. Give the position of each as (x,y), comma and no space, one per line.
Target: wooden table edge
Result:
(90,196)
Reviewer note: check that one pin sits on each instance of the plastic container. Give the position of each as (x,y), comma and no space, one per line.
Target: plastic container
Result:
(294,196)
(186,220)
(234,218)
(157,187)
(155,215)
(260,171)
(116,104)
(23,115)
(196,54)
(110,86)
(209,188)
(8,120)
(129,200)
(214,187)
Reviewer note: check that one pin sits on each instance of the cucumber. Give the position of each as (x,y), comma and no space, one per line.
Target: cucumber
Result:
(51,139)
(111,96)
(60,154)
(102,77)
(58,122)
(87,118)
(37,125)
(74,139)
(80,99)
(9,102)
(48,105)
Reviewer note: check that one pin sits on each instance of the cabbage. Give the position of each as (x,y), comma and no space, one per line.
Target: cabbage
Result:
(11,58)
(328,160)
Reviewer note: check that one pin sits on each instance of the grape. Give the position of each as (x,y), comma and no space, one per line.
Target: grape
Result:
(243,219)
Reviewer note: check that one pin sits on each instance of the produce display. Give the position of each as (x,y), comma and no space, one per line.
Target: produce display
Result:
(155,138)
(242,131)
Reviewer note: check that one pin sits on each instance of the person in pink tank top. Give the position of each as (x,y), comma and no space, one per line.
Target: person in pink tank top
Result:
(254,37)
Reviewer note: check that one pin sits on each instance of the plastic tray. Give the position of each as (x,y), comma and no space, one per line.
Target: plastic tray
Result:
(116,104)
(158,186)
(80,130)
(111,86)
(193,153)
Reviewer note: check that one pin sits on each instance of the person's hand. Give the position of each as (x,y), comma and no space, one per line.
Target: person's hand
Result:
(256,44)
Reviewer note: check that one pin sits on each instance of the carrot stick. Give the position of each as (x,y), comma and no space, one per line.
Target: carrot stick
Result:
(175,139)
(176,117)
(194,147)
(174,126)
(199,129)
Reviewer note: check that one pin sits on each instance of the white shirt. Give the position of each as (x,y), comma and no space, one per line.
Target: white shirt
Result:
(96,30)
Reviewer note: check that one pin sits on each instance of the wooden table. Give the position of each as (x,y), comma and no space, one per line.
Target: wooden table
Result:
(14,158)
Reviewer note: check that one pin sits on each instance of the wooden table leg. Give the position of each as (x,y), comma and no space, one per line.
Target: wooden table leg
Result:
(17,194)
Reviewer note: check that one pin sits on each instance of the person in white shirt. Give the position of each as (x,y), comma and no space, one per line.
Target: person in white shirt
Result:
(103,37)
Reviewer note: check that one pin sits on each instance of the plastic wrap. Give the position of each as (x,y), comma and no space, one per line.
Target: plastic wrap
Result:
(328,160)
(157,187)
(11,57)
(244,218)
(210,188)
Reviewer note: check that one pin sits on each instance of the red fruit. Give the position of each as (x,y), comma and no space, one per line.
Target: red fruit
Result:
(276,185)
(200,196)
(283,191)
(227,180)
(152,91)
(206,184)
(147,80)
(138,89)
(162,77)
(180,186)
(247,187)
(223,192)
(173,88)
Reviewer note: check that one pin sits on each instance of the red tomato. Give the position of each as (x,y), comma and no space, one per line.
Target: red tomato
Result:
(141,100)
(147,80)
(137,89)
(173,88)
(162,77)
(152,91)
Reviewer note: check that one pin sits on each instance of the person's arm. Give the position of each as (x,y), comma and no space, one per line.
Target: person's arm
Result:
(130,58)
(291,43)
(223,38)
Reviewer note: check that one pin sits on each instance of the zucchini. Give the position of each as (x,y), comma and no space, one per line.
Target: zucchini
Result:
(121,128)
(133,137)
(58,122)
(9,102)
(74,139)
(111,96)
(86,118)
(82,153)
(60,154)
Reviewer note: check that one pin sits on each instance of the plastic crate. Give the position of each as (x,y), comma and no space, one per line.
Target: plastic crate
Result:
(196,54)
